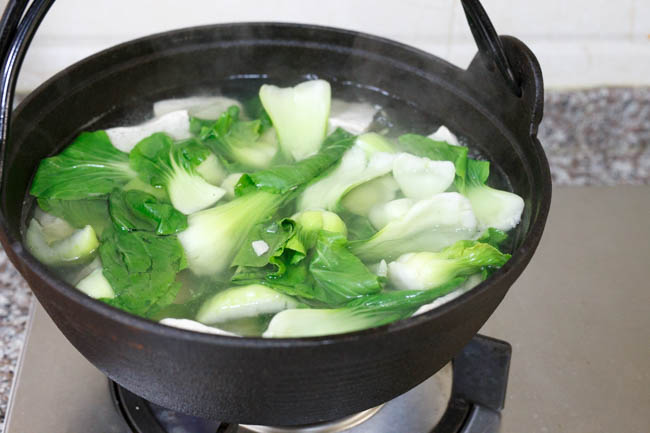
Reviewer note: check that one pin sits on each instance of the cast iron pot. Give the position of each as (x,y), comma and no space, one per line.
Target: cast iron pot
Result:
(496,104)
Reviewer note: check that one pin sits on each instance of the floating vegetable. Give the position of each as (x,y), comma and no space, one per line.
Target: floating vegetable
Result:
(246,217)
(421,271)
(171,165)
(245,301)
(299,115)
(428,225)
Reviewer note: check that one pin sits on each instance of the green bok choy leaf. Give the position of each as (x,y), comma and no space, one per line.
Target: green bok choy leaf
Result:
(89,167)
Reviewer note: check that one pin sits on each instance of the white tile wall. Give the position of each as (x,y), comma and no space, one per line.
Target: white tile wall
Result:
(641,24)
(578,42)
(556,19)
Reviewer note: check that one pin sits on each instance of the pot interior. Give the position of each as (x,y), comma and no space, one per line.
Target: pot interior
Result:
(118,87)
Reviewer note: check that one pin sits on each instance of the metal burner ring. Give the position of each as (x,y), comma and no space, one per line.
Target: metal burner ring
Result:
(334,426)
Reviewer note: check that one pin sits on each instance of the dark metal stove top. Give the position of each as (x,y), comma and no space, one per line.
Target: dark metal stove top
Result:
(58,391)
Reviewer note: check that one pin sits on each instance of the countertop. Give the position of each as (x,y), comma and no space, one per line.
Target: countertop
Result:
(578,318)
(571,363)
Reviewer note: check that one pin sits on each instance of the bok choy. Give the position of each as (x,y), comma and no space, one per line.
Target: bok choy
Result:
(171,165)
(428,225)
(299,115)
(493,208)
(421,271)
(247,218)
(366,312)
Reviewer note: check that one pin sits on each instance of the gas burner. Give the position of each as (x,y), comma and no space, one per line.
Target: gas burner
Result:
(336,426)
(465,396)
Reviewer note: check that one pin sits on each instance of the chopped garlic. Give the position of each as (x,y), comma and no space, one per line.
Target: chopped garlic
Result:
(260,247)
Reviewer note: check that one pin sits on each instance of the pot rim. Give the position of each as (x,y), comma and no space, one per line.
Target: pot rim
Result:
(519,257)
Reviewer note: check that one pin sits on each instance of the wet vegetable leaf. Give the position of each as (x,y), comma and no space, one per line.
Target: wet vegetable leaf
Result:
(89,167)
(141,268)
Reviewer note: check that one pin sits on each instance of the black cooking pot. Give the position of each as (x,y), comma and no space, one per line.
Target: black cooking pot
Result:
(496,105)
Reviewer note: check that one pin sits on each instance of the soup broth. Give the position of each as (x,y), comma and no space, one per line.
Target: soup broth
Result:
(271,211)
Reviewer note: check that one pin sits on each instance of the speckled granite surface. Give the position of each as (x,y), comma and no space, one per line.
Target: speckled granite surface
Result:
(592,137)
(598,136)
(14,304)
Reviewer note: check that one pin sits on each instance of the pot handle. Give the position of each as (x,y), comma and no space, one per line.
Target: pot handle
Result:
(514,88)
(489,43)
(17,29)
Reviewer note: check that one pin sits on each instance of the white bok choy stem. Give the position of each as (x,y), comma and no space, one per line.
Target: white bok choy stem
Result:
(429,225)
(176,124)
(203,107)
(354,169)
(191,325)
(72,249)
(493,208)
(420,178)
(214,235)
(96,285)
(299,115)
(244,301)
(423,270)
(354,117)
